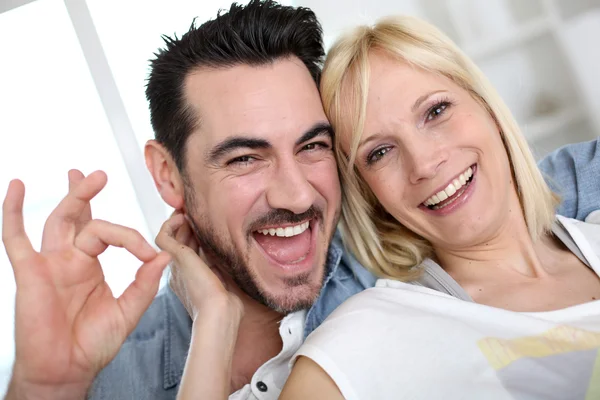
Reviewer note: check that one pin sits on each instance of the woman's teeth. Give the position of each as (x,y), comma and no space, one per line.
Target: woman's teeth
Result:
(288,231)
(451,189)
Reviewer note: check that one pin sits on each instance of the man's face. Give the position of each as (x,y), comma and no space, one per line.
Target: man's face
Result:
(262,189)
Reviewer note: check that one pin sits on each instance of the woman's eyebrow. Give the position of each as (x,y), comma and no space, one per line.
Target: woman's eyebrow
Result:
(421,99)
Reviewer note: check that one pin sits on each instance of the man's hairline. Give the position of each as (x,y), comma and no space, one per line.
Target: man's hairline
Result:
(195,112)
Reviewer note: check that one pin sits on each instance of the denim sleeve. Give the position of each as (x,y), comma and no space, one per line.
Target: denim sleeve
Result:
(573,171)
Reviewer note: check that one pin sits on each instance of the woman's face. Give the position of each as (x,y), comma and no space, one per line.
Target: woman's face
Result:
(433,156)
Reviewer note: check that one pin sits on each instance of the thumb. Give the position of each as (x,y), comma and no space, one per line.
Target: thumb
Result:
(138,296)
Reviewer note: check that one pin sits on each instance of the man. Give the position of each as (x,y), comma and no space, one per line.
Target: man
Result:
(243,152)
(244,149)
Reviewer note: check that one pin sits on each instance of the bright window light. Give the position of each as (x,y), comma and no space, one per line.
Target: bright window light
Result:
(52,121)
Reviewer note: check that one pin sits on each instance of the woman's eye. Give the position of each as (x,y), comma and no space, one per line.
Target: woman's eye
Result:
(437,110)
(377,155)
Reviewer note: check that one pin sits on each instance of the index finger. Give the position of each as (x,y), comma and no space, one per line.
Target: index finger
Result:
(15,239)
(166,240)
(75,178)
(61,225)
(76,201)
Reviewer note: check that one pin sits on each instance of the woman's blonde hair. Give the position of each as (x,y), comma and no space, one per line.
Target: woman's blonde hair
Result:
(379,241)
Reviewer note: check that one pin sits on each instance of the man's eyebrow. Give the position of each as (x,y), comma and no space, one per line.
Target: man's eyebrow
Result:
(234,143)
(320,129)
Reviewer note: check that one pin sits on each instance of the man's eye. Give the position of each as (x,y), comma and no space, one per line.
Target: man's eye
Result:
(241,160)
(316,146)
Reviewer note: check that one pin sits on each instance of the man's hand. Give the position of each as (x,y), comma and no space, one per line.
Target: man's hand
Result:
(68,324)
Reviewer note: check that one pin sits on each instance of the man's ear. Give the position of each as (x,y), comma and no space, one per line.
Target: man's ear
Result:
(165,173)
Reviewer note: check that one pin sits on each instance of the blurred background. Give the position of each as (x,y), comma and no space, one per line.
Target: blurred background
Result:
(72,76)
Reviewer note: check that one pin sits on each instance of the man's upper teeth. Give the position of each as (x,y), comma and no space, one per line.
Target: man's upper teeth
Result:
(451,189)
(287,231)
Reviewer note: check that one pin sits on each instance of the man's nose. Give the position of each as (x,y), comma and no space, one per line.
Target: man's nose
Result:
(290,189)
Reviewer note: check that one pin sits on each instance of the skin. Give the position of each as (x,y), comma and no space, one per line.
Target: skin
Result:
(421,131)
(244,185)
(227,197)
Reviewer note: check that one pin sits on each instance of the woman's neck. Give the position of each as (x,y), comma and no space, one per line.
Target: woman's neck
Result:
(509,270)
(510,250)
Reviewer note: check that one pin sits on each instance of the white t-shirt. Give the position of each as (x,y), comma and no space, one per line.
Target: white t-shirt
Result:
(402,341)
(267,382)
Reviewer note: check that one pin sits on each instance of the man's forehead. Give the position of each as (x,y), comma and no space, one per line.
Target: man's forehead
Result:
(262,101)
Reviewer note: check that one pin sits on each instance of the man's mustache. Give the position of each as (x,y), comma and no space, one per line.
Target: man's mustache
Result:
(281,216)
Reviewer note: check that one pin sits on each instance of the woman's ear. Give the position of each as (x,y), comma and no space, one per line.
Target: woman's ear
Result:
(165,174)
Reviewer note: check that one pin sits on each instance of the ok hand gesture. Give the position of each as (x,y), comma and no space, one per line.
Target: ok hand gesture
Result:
(68,324)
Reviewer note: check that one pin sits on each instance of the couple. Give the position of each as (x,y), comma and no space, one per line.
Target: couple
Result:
(438,190)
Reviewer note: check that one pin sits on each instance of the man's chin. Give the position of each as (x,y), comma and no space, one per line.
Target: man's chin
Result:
(292,300)
(287,288)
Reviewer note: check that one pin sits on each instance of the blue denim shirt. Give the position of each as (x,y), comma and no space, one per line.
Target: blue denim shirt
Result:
(150,363)
(573,172)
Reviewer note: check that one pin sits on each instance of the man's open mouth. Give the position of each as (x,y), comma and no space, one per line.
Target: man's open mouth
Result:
(288,231)
(286,244)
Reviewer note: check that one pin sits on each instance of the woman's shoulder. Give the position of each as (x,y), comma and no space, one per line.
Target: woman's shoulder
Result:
(376,309)
(392,326)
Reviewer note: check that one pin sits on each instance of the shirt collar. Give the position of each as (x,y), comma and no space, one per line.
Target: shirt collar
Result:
(334,256)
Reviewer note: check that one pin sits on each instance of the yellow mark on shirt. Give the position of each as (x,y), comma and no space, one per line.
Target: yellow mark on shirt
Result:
(563,339)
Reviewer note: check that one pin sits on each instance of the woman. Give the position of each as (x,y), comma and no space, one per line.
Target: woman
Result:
(441,188)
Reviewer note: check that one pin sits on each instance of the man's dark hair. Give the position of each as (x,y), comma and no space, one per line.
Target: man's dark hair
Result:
(255,34)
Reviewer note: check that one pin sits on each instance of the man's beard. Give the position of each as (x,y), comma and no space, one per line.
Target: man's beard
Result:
(228,259)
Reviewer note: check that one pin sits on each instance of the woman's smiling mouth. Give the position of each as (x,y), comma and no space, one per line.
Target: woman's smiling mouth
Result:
(453,191)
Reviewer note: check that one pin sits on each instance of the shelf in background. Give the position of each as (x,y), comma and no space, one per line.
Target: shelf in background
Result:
(580,131)
(488,47)
(542,127)
(569,9)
